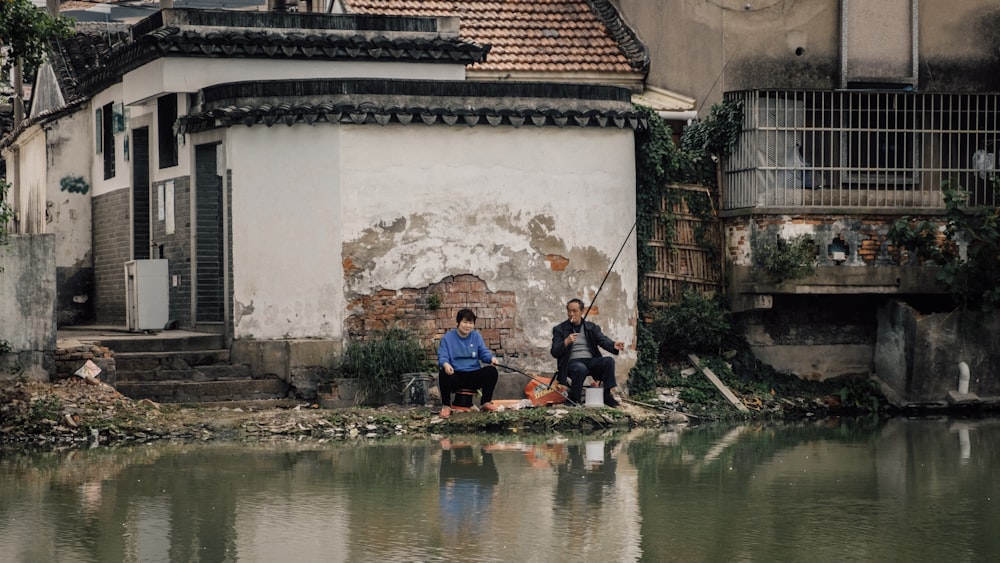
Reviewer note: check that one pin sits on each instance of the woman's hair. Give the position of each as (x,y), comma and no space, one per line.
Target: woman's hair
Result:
(465,315)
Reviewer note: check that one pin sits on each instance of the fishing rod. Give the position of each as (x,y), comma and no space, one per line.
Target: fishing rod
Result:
(583,320)
(611,267)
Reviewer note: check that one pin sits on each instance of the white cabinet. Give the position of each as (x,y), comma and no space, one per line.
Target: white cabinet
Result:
(147,294)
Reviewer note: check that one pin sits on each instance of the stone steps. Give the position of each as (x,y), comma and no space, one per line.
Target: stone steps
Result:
(178,367)
(205,391)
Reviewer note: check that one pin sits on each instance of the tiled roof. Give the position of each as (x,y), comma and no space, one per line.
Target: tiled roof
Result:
(405,102)
(533,35)
(86,63)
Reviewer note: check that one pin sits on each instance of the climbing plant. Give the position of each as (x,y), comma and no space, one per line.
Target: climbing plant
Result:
(966,249)
(659,164)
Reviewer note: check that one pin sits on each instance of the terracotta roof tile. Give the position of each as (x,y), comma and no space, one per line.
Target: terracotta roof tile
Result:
(532,35)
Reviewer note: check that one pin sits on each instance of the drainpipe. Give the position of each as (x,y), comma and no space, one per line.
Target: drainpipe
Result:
(963,378)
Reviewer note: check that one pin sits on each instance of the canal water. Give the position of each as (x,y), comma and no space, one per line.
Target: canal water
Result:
(833,490)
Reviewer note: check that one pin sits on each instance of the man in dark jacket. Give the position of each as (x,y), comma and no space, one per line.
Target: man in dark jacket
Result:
(575,345)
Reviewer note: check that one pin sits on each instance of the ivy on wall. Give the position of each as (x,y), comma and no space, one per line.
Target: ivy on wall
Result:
(659,164)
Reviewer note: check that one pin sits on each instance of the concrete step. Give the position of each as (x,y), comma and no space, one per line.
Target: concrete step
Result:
(145,361)
(223,372)
(168,341)
(208,391)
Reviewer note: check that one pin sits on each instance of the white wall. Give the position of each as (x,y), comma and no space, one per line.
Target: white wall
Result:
(122,177)
(192,74)
(70,212)
(410,205)
(31,179)
(286,232)
(493,202)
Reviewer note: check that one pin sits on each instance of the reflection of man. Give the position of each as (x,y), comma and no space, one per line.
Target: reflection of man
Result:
(583,487)
(575,344)
(466,492)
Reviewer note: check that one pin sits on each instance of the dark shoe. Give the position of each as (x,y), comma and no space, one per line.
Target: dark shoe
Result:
(610,401)
(572,401)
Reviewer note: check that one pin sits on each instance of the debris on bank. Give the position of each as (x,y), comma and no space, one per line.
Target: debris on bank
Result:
(76,412)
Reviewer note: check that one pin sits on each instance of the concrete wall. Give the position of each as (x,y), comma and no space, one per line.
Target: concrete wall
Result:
(539,212)
(917,355)
(68,214)
(28,306)
(29,180)
(703,48)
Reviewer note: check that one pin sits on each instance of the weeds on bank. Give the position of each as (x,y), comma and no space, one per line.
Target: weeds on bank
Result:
(703,325)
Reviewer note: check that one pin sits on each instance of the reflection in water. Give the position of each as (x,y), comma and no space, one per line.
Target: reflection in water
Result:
(855,490)
(468,479)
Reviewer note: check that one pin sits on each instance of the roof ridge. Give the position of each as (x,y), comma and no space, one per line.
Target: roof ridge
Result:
(627,40)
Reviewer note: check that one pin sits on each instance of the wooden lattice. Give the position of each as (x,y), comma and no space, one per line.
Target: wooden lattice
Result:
(687,261)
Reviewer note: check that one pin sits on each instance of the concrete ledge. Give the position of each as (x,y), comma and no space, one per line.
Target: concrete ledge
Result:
(285,358)
(956,398)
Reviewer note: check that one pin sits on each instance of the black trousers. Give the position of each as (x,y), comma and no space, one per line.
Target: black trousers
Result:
(601,369)
(484,378)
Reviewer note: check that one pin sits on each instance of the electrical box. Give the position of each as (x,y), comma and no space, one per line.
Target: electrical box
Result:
(147,295)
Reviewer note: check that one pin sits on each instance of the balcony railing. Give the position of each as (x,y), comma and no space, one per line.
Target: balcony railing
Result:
(806,149)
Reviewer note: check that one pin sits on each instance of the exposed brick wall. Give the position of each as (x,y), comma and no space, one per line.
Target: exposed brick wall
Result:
(866,236)
(411,308)
(176,248)
(112,219)
(68,360)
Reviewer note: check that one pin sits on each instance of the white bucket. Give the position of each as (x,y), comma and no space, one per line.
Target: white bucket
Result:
(595,452)
(595,397)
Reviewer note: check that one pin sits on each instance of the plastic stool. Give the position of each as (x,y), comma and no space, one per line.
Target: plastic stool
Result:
(463,400)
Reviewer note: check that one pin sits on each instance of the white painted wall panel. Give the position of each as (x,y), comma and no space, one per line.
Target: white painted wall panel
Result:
(192,74)
(286,232)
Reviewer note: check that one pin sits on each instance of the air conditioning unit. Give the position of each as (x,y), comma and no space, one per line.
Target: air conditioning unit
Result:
(147,295)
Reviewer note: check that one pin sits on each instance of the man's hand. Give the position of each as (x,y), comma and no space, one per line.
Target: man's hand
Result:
(570,339)
(448,369)
(619,345)
(495,361)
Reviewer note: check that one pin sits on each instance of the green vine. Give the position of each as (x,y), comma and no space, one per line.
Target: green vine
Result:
(967,251)
(660,163)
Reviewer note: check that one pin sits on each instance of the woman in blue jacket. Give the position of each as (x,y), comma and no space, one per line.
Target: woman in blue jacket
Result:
(460,357)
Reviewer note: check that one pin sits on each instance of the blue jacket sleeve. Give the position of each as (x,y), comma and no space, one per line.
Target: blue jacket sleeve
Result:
(444,352)
(484,353)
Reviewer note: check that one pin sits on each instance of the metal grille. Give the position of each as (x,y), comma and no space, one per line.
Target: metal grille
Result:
(862,149)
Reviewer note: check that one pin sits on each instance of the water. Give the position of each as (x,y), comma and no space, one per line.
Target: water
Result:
(858,490)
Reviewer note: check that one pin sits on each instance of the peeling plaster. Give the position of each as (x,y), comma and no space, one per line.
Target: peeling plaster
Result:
(510,251)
